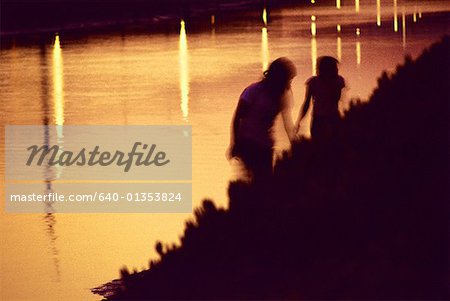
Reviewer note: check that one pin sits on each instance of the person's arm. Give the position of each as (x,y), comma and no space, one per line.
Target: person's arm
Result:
(286,113)
(238,114)
(304,109)
(342,94)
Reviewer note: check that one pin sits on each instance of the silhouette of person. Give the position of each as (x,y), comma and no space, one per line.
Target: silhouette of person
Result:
(259,104)
(325,91)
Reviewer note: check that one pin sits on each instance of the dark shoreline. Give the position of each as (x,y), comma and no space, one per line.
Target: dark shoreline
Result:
(138,17)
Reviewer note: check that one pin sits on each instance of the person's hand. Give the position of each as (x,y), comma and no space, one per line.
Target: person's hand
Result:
(297,127)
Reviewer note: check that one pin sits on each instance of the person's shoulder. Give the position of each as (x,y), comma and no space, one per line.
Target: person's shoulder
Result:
(249,91)
(311,80)
(253,87)
(341,81)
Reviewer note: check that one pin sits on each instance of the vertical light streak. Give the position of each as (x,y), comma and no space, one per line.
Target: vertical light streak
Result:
(58,96)
(264,49)
(358,53)
(58,82)
(357,6)
(313,26)
(313,54)
(378,12)
(264,16)
(403,28)
(339,48)
(338,4)
(184,71)
(395,16)
(213,20)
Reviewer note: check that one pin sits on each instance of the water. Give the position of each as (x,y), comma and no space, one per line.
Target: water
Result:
(176,78)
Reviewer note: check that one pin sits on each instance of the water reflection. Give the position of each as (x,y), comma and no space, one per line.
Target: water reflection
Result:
(58,95)
(58,82)
(264,16)
(403,27)
(184,71)
(339,48)
(313,26)
(313,54)
(378,12)
(49,217)
(395,16)
(264,49)
(358,53)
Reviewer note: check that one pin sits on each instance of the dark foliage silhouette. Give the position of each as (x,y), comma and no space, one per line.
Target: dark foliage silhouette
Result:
(364,219)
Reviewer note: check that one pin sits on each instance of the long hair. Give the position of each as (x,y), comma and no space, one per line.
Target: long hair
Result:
(327,67)
(278,76)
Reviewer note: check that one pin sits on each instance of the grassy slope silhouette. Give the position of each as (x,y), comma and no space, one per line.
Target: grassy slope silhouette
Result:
(362,217)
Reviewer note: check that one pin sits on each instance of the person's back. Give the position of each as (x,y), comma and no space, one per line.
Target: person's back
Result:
(257,121)
(325,92)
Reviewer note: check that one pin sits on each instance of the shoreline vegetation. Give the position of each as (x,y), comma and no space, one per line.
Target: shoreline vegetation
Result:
(363,217)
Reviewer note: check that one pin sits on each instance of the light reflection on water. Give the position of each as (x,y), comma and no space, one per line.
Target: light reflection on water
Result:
(161,79)
(184,71)
(264,49)
(378,12)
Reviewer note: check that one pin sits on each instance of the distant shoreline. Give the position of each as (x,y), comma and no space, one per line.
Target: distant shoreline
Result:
(78,16)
